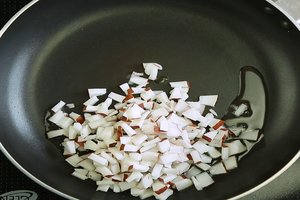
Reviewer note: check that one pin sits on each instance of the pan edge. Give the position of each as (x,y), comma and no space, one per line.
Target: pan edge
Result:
(284,13)
(2,148)
(28,174)
(269,180)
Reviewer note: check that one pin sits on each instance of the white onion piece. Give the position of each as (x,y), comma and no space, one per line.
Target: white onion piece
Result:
(138,90)
(196,183)
(176,93)
(104,171)
(116,188)
(225,153)
(192,114)
(91,109)
(147,148)
(214,153)
(58,106)
(91,145)
(240,110)
(74,116)
(156,171)
(103,188)
(150,143)
(135,156)
(94,176)
(56,133)
(159,112)
(65,122)
(93,118)
(163,196)
(180,84)
(115,169)
(193,171)
(204,179)
(168,178)
(138,80)
(218,168)
(70,105)
(124,87)
(196,156)
(209,100)
(230,163)
(136,191)
(167,158)
(147,181)
(98,159)
(151,69)
(150,156)
(146,194)
(148,95)
(235,147)
(197,105)
(96,92)
(203,166)
(69,147)
(57,117)
(210,135)
(87,164)
(162,97)
(205,158)
(130,131)
(201,147)
(158,187)
(183,184)
(79,175)
(125,139)
(134,176)
(138,139)
(182,167)
(102,108)
(213,112)
(91,101)
(251,135)
(181,106)
(164,146)
(126,186)
(105,182)
(85,131)
(74,160)
(109,158)
(117,153)
(130,148)
(116,97)
(237,130)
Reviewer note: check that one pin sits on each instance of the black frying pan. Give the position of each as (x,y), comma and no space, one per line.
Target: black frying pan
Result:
(57,49)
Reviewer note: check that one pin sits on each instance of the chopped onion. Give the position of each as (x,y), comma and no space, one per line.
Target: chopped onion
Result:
(58,106)
(96,92)
(148,142)
(209,100)
(116,97)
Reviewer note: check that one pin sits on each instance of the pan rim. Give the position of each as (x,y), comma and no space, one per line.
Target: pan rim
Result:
(62,194)
(2,148)
(292,19)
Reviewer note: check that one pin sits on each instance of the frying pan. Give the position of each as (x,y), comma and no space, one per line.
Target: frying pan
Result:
(57,49)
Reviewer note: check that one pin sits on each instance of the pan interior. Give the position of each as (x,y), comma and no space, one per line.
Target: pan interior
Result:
(68,49)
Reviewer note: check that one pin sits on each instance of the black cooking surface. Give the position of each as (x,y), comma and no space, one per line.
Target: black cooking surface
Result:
(12,179)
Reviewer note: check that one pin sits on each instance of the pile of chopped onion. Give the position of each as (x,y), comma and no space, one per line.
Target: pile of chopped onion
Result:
(149,142)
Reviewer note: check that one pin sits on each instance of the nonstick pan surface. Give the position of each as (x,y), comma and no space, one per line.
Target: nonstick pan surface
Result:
(58,49)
